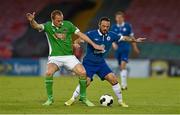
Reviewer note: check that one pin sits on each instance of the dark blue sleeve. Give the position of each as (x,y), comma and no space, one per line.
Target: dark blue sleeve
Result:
(131,33)
(89,34)
(115,37)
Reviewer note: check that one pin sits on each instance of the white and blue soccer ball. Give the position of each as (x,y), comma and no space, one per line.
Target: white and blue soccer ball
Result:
(106,100)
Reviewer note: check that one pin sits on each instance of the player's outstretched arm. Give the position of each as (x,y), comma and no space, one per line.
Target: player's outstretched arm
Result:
(135,48)
(88,40)
(132,39)
(30,17)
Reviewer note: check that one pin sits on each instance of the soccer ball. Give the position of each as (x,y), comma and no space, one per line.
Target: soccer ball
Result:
(106,100)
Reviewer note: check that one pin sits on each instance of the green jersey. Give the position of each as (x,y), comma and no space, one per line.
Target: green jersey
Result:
(60,47)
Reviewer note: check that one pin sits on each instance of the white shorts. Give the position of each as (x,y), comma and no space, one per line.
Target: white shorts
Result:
(69,61)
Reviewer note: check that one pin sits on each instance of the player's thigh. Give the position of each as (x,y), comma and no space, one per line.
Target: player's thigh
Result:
(103,71)
(79,70)
(124,59)
(90,68)
(111,78)
(53,65)
(71,62)
(51,69)
(118,57)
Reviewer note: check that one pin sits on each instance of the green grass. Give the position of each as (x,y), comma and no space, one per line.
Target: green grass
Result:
(26,94)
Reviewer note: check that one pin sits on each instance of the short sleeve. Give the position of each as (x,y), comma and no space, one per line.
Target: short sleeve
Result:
(73,29)
(44,26)
(131,30)
(116,37)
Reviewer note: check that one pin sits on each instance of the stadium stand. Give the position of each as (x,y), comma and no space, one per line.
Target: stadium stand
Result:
(17,25)
(13,24)
(158,20)
(24,41)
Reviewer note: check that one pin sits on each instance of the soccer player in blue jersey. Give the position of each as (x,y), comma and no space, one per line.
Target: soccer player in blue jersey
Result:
(94,61)
(123,48)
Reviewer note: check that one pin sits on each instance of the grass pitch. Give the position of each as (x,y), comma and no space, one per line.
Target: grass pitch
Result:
(26,94)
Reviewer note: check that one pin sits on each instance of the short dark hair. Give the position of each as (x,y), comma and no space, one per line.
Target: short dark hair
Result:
(55,12)
(104,19)
(119,13)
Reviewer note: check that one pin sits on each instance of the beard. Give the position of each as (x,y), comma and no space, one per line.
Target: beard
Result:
(104,31)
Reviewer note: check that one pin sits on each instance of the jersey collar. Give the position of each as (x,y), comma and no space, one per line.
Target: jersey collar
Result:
(54,25)
(99,32)
(120,25)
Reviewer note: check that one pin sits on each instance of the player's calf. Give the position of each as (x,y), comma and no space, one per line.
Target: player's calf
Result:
(112,79)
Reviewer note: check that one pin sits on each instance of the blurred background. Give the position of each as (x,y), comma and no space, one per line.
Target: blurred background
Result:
(24,51)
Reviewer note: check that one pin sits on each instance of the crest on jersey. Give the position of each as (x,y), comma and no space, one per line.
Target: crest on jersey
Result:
(108,38)
(124,29)
(64,30)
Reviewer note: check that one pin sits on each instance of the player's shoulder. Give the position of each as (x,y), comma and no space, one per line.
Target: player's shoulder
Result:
(127,24)
(92,32)
(112,33)
(113,25)
(48,23)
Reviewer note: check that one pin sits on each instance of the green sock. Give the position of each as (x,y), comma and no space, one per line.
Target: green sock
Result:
(83,84)
(49,87)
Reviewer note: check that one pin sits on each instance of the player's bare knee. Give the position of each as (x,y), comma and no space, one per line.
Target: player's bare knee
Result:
(79,70)
(82,72)
(123,66)
(49,73)
(113,80)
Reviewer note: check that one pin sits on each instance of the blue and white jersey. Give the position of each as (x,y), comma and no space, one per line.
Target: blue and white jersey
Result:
(124,29)
(96,56)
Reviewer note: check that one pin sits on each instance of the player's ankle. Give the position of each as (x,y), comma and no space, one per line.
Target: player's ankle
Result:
(120,100)
(50,99)
(73,98)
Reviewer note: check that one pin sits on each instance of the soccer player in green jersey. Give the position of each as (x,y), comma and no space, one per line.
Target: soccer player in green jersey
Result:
(59,32)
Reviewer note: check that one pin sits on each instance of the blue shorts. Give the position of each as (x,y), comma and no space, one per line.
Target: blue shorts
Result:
(100,69)
(122,55)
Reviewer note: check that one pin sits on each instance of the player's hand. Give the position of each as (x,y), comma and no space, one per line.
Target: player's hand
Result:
(98,47)
(76,45)
(30,16)
(140,39)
